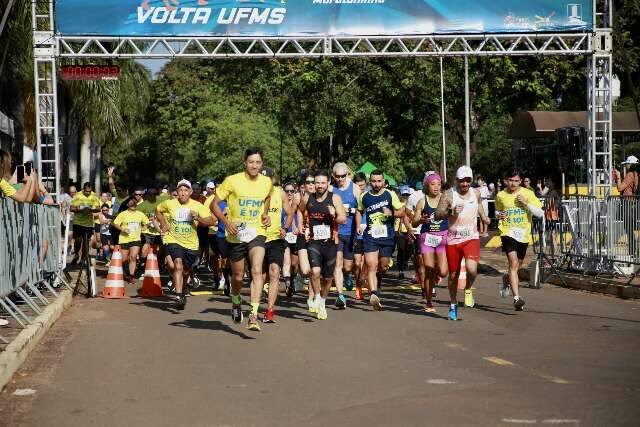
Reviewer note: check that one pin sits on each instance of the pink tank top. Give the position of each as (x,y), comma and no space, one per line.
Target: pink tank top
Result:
(465,226)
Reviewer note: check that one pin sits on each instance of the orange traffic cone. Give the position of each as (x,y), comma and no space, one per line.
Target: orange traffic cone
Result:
(114,285)
(151,285)
(462,279)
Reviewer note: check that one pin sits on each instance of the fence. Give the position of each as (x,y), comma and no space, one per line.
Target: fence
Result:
(30,257)
(591,235)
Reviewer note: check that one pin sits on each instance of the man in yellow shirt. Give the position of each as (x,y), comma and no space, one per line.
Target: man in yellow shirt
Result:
(178,220)
(130,223)
(247,194)
(83,205)
(515,207)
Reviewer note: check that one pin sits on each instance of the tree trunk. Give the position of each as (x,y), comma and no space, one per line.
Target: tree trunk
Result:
(96,166)
(71,151)
(85,157)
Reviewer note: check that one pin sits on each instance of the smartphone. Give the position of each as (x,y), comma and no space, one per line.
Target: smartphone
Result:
(28,166)
(20,173)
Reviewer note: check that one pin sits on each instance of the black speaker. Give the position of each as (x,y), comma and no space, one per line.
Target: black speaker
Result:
(572,141)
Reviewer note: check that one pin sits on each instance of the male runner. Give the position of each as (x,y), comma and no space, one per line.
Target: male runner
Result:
(418,262)
(325,212)
(515,206)
(247,194)
(461,205)
(178,219)
(380,206)
(151,235)
(308,187)
(349,193)
(275,243)
(83,205)
(290,269)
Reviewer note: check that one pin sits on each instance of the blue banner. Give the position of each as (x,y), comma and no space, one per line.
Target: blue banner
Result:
(267,18)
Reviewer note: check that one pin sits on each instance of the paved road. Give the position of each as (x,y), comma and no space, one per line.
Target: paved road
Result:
(570,359)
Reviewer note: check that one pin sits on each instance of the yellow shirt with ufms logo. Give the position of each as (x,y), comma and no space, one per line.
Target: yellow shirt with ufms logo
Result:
(182,227)
(133,222)
(517,223)
(245,198)
(85,219)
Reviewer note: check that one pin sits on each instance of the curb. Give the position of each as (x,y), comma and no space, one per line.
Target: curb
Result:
(19,349)
(600,287)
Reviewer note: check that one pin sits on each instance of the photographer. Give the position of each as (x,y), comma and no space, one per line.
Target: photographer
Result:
(26,191)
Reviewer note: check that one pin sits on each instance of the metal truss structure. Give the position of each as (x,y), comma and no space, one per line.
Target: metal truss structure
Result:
(48,46)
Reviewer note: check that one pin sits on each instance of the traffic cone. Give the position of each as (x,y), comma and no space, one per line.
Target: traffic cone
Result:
(151,285)
(114,285)
(462,279)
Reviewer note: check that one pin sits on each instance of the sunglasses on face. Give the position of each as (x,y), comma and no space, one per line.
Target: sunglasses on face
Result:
(310,181)
(341,176)
(289,191)
(138,194)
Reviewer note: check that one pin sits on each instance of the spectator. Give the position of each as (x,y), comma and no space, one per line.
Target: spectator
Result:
(26,192)
(629,185)
(526,183)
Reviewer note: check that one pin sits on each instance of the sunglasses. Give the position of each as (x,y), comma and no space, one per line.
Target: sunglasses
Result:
(341,176)
(310,181)
(139,194)
(289,191)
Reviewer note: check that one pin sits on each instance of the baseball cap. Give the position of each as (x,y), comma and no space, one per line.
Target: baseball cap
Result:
(405,190)
(185,183)
(464,172)
(268,172)
(211,185)
(631,160)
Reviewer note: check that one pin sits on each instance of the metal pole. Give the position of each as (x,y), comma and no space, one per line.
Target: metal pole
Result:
(443,154)
(467,136)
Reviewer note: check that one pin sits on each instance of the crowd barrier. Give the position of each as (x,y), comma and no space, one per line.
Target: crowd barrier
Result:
(30,257)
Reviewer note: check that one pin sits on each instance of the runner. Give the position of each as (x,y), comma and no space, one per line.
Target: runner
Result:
(150,235)
(130,223)
(380,206)
(325,212)
(516,206)
(83,205)
(247,194)
(106,241)
(404,234)
(461,206)
(359,267)
(178,218)
(349,193)
(290,266)
(276,244)
(433,238)
(304,267)
(418,261)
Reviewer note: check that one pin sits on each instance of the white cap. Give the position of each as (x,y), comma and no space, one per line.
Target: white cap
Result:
(631,160)
(211,184)
(464,172)
(184,182)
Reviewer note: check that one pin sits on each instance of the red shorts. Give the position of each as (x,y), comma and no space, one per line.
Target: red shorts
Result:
(468,250)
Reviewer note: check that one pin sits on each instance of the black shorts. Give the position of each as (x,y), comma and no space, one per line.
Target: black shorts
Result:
(293,248)
(416,244)
(238,251)
(358,247)
(509,244)
(221,246)
(127,246)
(152,239)
(80,230)
(274,253)
(96,228)
(322,255)
(345,245)
(189,257)
(203,237)
(106,239)
(301,244)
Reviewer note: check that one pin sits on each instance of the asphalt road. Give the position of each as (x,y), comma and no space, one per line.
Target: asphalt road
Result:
(570,358)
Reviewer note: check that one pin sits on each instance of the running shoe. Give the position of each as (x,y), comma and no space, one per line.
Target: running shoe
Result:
(252,323)
(375,302)
(181,302)
(269,316)
(348,282)
(291,290)
(518,304)
(505,289)
(170,287)
(468,298)
(359,293)
(453,312)
(222,283)
(312,306)
(322,312)
(341,302)
(236,313)
(429,308)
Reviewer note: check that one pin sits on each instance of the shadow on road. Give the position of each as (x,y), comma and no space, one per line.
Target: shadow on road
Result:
(211,325)
(289,314)
(590,316)
(166,305)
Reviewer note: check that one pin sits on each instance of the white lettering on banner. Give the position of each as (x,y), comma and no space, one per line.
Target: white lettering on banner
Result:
(252,15)
(321,232)
(379,232)
(162,15)
(247,234)
(202,15)
(517,233)
(432,240)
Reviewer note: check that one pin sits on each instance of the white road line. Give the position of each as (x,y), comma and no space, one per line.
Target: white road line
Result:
(560,421)
(517,421)
(440,381)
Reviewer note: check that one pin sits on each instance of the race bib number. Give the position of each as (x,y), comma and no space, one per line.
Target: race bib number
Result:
(432,240)
(133,227)
(183,215)
(464,232)
(518,234)
(321,232)
(379,232)
(247,234)
(291,238)
(347,208)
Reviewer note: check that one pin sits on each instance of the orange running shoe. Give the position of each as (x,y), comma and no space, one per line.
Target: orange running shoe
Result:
(359,295)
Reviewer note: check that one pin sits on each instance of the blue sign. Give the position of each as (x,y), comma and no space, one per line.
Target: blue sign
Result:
(269,18)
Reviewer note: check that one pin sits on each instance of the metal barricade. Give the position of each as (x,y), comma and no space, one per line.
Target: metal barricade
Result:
(623,240)
(30,257)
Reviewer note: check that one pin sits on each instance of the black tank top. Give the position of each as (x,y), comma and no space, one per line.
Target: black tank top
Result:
(318,214)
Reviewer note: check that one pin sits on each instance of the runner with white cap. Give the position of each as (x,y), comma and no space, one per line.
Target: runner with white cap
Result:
(461,206)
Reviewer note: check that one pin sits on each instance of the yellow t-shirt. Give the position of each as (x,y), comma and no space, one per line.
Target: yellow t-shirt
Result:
(84,219)
(133,221)
(213,229)
(245,198)
(6,188)
(275,213)
(182,227)
(517,224)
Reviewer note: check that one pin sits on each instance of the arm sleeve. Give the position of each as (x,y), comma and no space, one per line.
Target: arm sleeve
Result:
(535,210)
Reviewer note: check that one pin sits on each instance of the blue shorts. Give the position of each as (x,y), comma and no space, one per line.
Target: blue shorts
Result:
(345,245)
(384,246)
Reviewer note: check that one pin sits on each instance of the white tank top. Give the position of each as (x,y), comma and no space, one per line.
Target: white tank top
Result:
(465,226)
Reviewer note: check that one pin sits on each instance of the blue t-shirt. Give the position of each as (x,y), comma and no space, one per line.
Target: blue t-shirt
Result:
(379,225)
(221,227)
(350,204)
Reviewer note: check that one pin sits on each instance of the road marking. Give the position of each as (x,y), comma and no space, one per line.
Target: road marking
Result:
(440,381)
(457,346)
(560,421)
(517,421)
(556,380)
(24,392)
(498,361)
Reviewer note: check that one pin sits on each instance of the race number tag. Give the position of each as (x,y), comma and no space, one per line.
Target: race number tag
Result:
(432,240)
(379,232)
(321,232)
(183,215)
(464,232)
(247,234)
(133,227)
(347,208)
(291,238)
(517,233)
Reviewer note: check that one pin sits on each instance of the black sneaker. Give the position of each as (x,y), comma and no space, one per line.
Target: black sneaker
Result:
(290,291)
(236,313)
(181,302)
(341,302)
(518,304)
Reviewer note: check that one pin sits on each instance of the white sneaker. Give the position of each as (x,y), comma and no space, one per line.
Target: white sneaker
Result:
(322,312)
(375,302)
(311,304)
